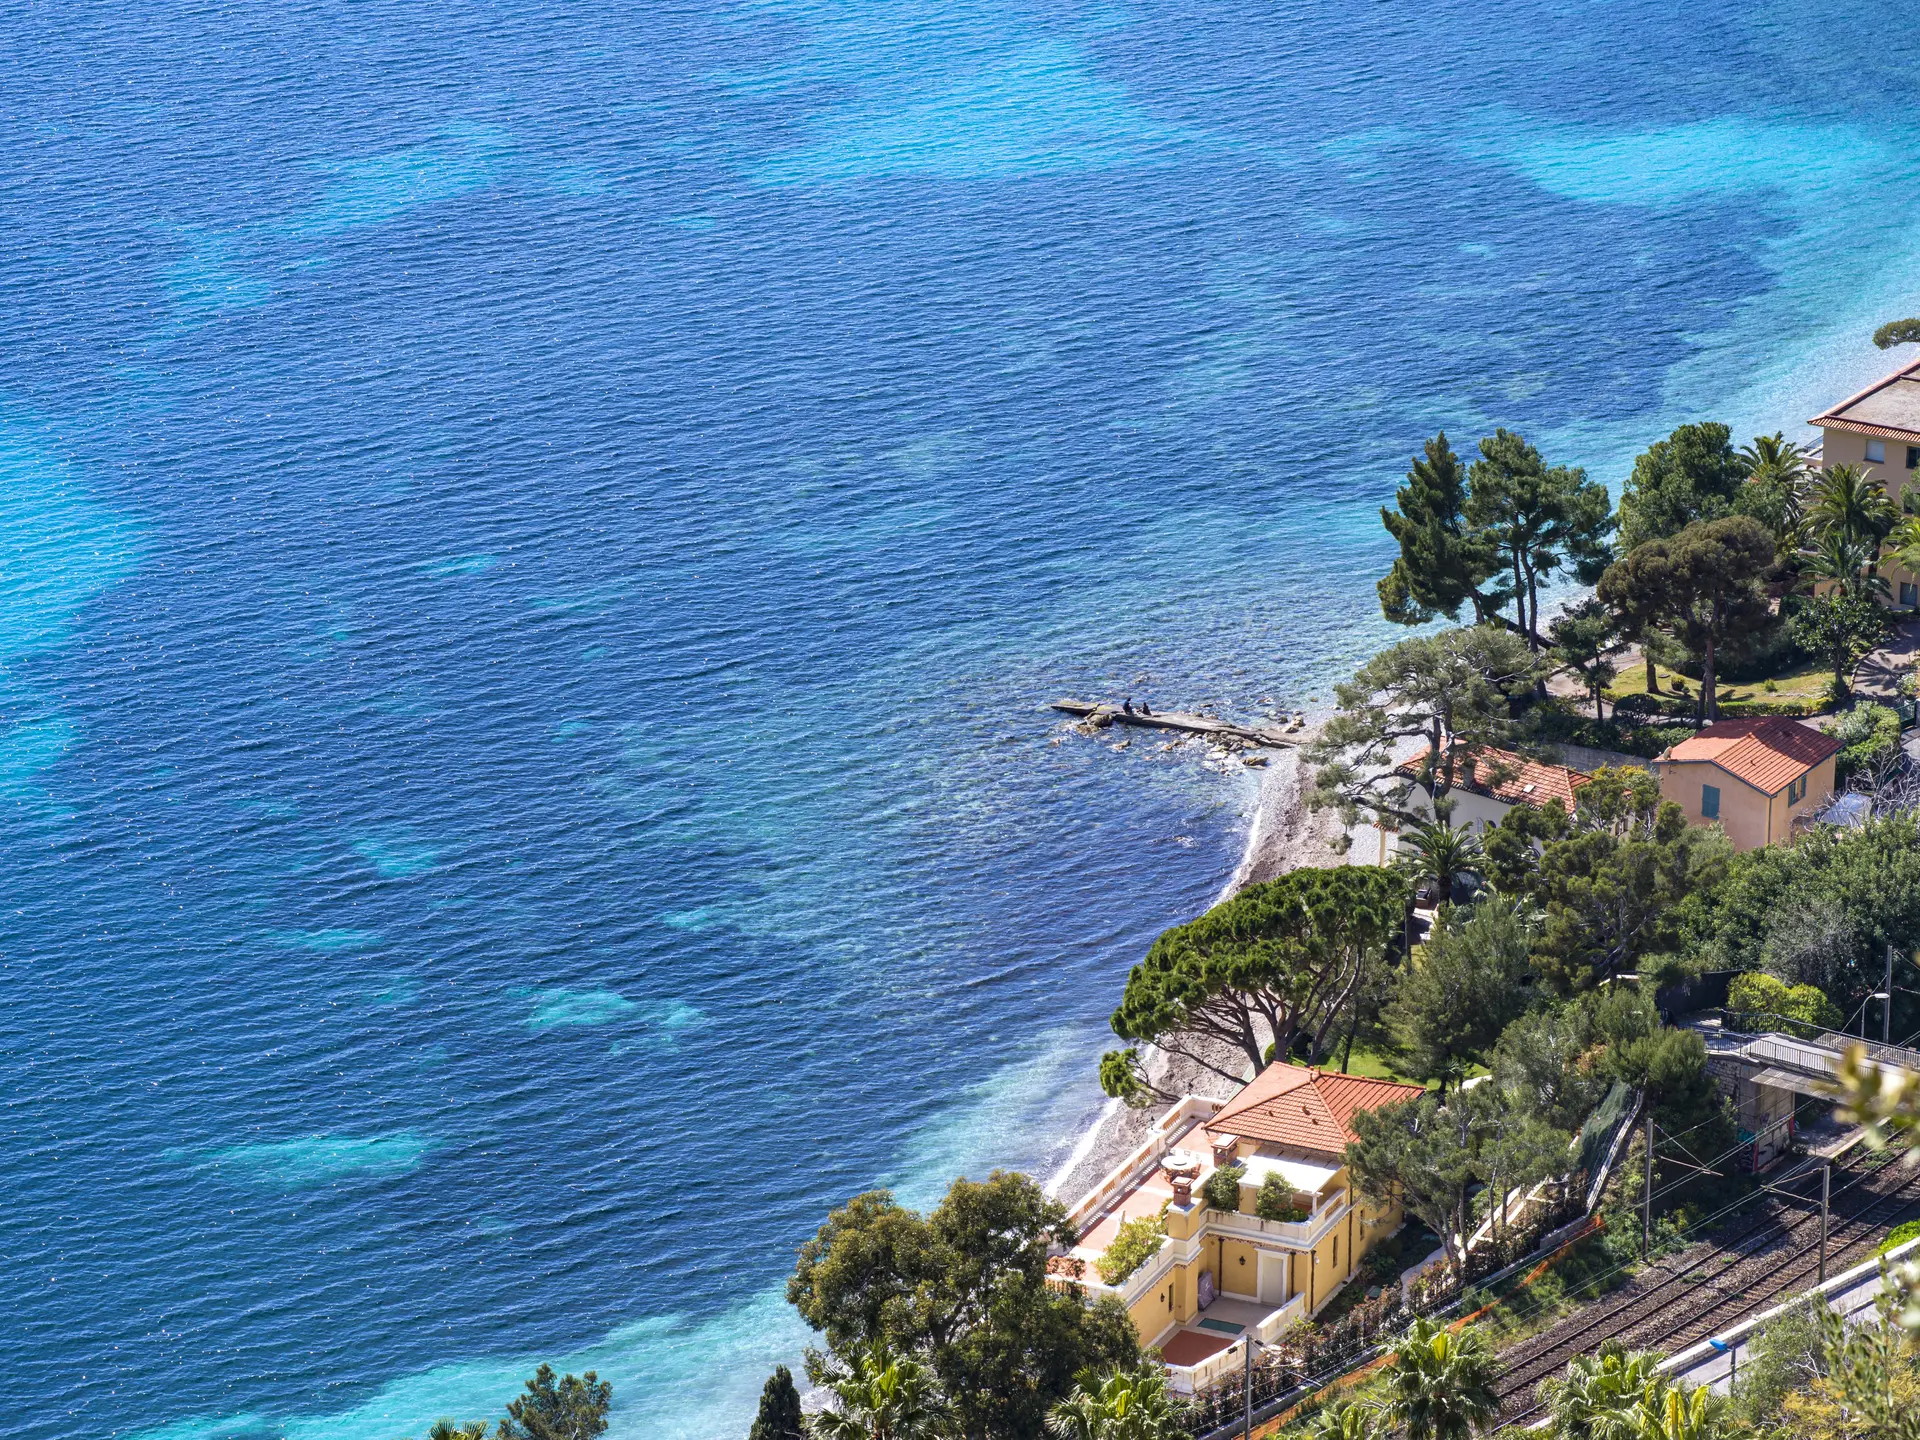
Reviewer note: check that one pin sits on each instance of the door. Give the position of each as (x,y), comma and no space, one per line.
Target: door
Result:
(1273,1278)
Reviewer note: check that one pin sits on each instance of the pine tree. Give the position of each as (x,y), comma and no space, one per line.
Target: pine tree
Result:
(779,1417)
(569,1409)
(1441,565)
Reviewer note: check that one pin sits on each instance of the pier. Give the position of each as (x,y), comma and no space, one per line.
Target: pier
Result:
(1103,714)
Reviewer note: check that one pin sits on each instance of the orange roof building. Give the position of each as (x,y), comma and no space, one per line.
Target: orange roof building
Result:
(1508,778)
(1488,782)
(1256,1257)
(1757,779)
(1303,1110)
(1889,409)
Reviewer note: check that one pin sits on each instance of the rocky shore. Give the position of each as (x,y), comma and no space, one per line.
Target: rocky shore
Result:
(1284,835)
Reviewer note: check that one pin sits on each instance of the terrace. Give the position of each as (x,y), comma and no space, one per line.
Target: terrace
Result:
(1160,1178)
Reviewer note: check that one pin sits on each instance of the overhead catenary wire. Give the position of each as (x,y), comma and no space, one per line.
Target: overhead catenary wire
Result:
(1311,1384)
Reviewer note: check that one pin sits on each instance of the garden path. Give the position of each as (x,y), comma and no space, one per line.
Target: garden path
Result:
(1878,676)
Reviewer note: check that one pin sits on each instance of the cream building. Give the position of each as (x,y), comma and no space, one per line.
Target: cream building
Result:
(1879,430)
(1755,778)
(1221,1274)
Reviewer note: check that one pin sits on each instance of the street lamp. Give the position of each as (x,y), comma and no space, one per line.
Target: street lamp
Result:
(1886,1014)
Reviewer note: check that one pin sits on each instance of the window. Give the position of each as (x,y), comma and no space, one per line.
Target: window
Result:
(1909,593)
(1710,802)
(1797,791)
(1876,452)
(1913,457)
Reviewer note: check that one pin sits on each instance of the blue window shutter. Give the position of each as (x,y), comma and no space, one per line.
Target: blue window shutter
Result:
(1710,802)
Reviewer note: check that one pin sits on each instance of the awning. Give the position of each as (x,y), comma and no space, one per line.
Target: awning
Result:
(1309,1179)
(1774,1078)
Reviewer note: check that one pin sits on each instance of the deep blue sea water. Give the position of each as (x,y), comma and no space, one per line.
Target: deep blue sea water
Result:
(531,538)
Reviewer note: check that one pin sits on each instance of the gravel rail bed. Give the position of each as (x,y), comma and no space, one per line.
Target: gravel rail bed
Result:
(1751,1262)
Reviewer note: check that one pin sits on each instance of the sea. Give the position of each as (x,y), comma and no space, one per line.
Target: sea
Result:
(535,539)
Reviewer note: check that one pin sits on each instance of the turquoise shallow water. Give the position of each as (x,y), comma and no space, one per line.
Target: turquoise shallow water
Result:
(532,540)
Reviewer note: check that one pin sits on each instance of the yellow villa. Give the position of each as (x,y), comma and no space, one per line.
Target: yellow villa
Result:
(1222,1274)
(1755,778)
(1879,429)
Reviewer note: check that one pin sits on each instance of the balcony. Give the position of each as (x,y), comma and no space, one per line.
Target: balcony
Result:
(1206,1351)
(1292,1234)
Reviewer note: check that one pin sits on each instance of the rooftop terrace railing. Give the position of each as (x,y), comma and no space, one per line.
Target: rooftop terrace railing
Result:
(1140,1161)
(1296,1234)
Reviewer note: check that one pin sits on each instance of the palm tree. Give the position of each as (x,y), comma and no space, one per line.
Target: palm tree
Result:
(1903,544)
(1773,457)
(1441,1383)
(887,1397)
(1348,1420)
(1677,1415)
(1603,1396)
(449,1430)
(1123,1405)
(1434,849)
(1845,562)
(1849,502)
(1776,490)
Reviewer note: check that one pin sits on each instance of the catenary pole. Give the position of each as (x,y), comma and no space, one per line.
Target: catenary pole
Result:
(1826,1192)
(1886,1005)
(1646,1204)
(1247,1392)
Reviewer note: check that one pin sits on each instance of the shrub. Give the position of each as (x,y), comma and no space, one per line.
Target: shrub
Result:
(1871,734)
(1553,723)
(1785,1357)
(1756,991)
(1222,1190)
(1663,737)
(1684,707)
(1736,709)
(1137,1241)
(1899,1235)
(1275,1201)
(1640,703)
(1383,1263)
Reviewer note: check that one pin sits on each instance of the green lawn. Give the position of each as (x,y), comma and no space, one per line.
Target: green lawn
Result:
(1379,1065)
(1808,682)
(1366,1061)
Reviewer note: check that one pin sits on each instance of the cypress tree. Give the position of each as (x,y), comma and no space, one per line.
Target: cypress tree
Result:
(779,1417)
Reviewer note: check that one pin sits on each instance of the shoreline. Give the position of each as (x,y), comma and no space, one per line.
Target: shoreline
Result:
(1282,835)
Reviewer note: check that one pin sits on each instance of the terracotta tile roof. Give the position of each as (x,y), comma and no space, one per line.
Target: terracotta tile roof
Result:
(1889,407)
(1304,1109)
(1520,781)
(1768,753)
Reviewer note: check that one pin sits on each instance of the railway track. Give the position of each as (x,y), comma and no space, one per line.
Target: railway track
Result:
(1748,1266)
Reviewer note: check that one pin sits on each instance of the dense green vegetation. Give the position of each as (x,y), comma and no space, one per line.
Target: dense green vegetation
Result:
(1278,964)
(949,1315)
(779,1417)
(1550,933)
(1812,1377)
(1737,564)
(572,1407)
